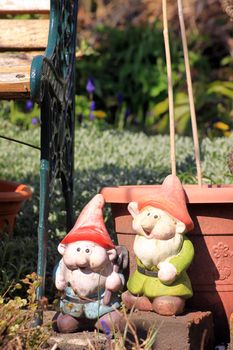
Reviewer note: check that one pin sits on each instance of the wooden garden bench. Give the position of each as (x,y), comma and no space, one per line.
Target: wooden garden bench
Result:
(37,61)
(20,41)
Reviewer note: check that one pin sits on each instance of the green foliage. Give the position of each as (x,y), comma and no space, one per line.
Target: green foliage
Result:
(82,106)
(131,62)
(213,101)
(24,114)
(16,318)
(18,257)
(83,112)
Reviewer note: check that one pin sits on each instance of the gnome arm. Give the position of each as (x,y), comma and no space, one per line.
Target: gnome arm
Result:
(115,281)
(171,268)
(60,281)
(184,258)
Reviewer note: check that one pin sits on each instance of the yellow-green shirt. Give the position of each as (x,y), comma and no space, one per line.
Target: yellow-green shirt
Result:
(140,284)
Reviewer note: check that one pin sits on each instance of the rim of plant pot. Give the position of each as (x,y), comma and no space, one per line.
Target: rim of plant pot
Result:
(194,193)
(13,191)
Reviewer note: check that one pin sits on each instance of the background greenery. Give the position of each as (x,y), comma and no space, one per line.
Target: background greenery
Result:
(129,72)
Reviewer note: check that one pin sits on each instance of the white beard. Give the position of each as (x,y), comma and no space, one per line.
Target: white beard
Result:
(86,282)
(153,251)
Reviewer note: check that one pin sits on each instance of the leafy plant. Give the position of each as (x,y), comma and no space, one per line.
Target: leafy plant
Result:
(130,63)
(17,316)
(213,103)
(24,114)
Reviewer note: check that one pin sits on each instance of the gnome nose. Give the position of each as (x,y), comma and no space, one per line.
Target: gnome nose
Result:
(82,263)
(149,222)
(82,259)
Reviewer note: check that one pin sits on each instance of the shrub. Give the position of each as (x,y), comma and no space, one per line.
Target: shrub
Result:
(25,114)
(16,318)
(129,71)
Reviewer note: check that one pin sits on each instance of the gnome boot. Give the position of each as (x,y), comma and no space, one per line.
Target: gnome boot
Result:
(64,323)
(109,322)
(140,303)
(168,305)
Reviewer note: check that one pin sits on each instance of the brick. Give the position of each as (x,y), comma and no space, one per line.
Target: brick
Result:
(191,331)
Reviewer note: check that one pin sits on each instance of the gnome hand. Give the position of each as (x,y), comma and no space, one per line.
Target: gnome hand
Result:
(167,272)
(113,282)
(60,283)
(122,257)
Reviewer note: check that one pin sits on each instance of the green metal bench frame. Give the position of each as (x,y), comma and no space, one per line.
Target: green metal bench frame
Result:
(52,84)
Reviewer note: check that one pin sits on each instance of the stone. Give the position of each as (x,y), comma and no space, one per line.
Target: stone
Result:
(79,341)
(74,341)
(189,331)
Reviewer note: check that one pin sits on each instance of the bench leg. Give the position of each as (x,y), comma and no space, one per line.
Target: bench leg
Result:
(67,188)
(42,234)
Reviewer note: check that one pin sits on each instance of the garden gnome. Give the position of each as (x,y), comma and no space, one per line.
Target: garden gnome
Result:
(88,273)
(163,252)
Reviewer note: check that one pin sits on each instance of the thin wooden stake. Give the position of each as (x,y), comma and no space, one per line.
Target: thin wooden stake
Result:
(170,89)
(190,92)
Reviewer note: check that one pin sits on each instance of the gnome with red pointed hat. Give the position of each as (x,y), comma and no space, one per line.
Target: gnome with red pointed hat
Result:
(163,252)
(88,273)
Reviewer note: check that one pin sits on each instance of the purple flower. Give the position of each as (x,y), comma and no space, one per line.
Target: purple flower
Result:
(92,106)
(28,105)
(120,98)
(35,121)
(90,87)
(106,329)
(91,116)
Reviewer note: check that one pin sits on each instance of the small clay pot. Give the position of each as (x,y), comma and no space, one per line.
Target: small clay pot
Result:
(12,195)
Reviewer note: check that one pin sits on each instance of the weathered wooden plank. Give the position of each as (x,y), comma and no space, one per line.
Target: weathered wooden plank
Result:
(15,74)
(15,84)
(23,34)
(24,6)
(11,59)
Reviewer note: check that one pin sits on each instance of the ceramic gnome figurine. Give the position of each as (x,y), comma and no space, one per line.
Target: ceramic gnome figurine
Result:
(88,273)
(163,252)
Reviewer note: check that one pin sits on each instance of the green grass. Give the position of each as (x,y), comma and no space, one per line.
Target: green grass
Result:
(102,158)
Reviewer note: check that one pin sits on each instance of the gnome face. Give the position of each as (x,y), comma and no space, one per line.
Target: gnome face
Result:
(86,255)
(152,222)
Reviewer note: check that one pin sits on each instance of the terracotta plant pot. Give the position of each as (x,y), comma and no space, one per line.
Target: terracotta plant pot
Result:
(211,273)
(12,195)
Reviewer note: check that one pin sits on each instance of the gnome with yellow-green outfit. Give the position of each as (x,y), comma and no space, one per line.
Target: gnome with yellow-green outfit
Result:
(163,252)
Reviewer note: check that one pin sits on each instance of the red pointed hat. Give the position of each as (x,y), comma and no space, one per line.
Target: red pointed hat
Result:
(171,198)
(90,225)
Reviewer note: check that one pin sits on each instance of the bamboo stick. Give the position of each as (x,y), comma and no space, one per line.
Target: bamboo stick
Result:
(190,92)
(170,89)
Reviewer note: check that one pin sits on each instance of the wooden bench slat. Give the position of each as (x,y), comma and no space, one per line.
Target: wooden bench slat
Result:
(15,74)
(12,87)
(10,59)
(24,6)
(23,34)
